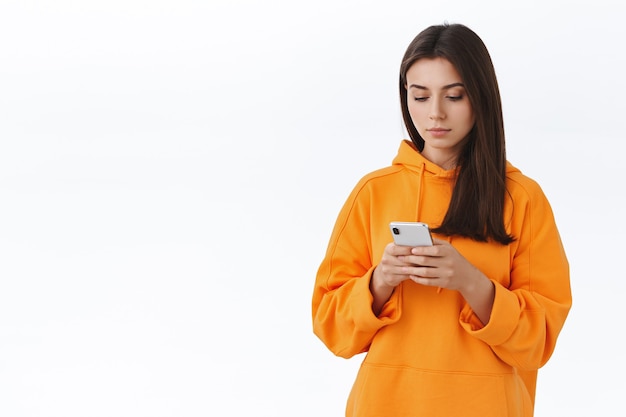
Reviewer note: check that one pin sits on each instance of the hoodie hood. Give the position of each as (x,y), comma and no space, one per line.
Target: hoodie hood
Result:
(434,183)
(428,172)
(409,157)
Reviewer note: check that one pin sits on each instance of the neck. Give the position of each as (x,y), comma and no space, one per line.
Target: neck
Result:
(445,162)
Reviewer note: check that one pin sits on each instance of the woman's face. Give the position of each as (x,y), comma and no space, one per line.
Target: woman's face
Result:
(439,109)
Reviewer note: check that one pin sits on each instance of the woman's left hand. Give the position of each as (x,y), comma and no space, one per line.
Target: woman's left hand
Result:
(441,265)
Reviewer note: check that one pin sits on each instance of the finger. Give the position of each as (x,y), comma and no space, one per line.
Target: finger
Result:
(430,282)
(419,260)
(397,250)
(395,260)
(420,271)
(434,250)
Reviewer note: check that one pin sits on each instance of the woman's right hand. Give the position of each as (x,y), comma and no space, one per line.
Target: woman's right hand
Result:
(389,273)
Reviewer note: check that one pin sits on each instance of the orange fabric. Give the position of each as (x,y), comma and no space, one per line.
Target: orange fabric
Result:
(427,353)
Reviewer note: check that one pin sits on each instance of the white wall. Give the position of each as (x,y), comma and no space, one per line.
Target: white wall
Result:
(170,172)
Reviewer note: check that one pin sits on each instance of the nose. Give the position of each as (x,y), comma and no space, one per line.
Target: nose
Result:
(436,111)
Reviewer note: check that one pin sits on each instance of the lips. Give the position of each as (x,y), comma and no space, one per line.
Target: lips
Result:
(438,131)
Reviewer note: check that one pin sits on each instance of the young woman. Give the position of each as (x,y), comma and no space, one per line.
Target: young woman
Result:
(459,328)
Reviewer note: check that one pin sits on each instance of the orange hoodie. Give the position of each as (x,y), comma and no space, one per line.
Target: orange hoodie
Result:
(427,352)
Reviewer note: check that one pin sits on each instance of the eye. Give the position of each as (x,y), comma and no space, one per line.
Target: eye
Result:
(420,98)
(454,98)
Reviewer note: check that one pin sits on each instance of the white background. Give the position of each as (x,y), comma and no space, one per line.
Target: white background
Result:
(170,172)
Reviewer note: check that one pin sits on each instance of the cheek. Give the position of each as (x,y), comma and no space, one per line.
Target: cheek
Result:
(471,120)
(468,118)
(470,115)
(416,116)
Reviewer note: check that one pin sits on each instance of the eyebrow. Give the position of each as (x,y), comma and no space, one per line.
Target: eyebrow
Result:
(445,87)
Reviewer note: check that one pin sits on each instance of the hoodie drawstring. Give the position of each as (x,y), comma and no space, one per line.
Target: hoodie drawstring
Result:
(420,185)
(419,200)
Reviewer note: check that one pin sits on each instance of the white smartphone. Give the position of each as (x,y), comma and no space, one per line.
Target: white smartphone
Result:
(411,234)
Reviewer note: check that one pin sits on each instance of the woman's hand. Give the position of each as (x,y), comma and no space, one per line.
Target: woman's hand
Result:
(443,266)
(393,267)
(389,273)
(440,265)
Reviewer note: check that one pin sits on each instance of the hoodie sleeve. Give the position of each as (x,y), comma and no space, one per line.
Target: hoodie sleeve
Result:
(342,301)
(530,312)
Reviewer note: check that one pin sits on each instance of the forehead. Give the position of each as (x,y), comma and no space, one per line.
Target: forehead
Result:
(432,73)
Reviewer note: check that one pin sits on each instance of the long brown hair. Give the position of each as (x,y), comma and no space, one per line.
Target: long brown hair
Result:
(476,208)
